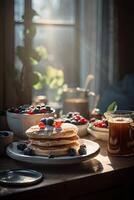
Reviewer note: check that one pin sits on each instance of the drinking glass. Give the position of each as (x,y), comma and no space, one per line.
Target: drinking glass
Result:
(76,100)
(121,133)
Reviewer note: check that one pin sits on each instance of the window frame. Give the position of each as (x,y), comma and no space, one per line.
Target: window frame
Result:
(27,23)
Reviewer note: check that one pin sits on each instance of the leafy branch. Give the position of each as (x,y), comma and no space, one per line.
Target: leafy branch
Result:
(52,78)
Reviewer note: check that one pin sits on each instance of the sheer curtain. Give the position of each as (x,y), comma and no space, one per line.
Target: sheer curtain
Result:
(98,54)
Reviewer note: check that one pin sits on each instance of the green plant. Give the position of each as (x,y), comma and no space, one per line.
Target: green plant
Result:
(50,79)
(53,78)
(112,107)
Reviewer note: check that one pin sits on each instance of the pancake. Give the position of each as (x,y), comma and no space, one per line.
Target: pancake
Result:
(55,150)
(67,130)
(53,142)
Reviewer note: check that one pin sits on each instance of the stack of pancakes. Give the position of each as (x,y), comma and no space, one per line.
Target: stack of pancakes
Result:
(53,141)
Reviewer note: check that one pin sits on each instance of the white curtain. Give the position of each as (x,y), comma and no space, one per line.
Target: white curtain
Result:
(98,55)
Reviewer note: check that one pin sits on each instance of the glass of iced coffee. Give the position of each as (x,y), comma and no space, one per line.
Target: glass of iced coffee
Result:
(121,133)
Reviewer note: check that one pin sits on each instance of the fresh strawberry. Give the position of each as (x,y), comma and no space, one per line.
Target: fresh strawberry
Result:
(83,120)
(43,110)
(100,124)
(41,125)
(58,124)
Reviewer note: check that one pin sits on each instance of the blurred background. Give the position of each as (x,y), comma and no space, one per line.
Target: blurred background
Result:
(47,46)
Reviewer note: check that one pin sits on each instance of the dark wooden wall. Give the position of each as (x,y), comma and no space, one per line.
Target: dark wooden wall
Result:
(125,36)
(7,92)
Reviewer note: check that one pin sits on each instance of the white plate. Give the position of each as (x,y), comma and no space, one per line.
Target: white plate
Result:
(93,149)
(100,135)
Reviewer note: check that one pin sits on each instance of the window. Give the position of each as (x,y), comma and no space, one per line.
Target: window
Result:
(79,38)
(56,31)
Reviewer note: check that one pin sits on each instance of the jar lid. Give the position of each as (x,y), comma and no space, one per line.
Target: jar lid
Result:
(20,177)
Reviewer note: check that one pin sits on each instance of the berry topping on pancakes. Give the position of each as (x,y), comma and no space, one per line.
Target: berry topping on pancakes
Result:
(50,121)
(58,124)
(41,125)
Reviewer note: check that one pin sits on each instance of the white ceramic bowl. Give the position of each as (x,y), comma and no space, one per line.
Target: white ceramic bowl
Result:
(82,129)
(19,123)
(98,133)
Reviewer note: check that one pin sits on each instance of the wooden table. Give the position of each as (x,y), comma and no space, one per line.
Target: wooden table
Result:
(102,177)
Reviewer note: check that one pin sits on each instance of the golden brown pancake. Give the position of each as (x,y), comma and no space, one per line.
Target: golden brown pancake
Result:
(53,141)
(67,130)
(55,150)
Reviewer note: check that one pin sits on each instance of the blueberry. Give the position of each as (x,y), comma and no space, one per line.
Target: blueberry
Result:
(67,121)
(21,146)
(44,120)
(36,110)
(51,156)
(48,108)
(50,111)
(29,152)
(73,121)
(72,152)
(50,121)
(83,146)
(69,114)
(38,106)
(82,150)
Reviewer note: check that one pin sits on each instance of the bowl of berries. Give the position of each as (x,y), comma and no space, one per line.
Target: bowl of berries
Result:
(21,118)
(78,120)
(98,128)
